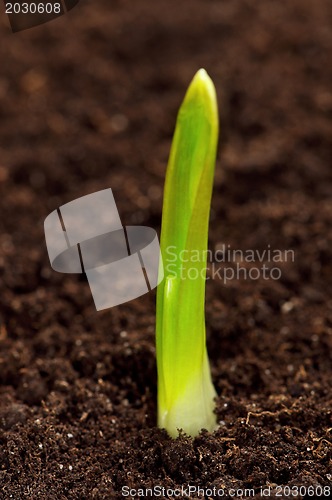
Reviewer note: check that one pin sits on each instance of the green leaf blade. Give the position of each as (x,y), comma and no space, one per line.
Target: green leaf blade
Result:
(184,382)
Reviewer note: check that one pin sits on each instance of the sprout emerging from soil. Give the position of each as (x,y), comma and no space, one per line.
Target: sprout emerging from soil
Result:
(185,390)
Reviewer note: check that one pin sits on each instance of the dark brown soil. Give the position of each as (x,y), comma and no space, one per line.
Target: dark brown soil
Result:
(88,102)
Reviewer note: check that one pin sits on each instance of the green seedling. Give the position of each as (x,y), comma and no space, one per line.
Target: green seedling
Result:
(185,390)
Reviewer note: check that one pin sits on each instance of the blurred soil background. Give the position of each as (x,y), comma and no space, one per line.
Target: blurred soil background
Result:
(89,101)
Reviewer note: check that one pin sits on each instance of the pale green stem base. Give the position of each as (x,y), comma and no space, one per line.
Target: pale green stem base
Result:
(194,409)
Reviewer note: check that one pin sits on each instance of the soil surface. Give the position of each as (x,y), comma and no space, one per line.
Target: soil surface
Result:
(89,101)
